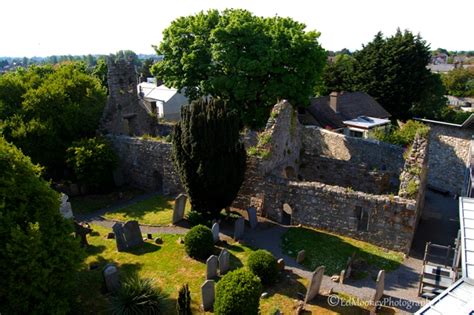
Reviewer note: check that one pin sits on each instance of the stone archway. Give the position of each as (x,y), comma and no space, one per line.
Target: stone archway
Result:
(289,172)
(286,213)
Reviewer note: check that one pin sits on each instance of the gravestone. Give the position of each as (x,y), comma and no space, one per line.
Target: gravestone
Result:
(178,209)
(207,294)
(211,267)
(281,264)
(111,277)
(314,284)
(301,256)
(133,234)
(252,214)
(224,258)
(379,287)
(81,231)
(65,209)
(239,228)
(119,237)
(215,232)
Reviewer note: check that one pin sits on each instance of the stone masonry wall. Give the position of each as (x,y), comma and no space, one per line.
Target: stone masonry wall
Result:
(146,164)
(342,173)
(449,154)
(375,154)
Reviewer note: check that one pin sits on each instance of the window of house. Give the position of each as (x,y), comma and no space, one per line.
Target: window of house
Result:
(357,134)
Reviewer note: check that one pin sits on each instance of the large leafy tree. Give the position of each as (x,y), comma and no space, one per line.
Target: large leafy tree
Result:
(393,71)
(208,155)
(460,82)
(44,109)
(338,75)
(38,254)
(247,60)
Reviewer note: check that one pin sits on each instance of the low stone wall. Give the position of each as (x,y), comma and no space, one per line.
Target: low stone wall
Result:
(449,154)
(375,154)
(146,164)
(346,174)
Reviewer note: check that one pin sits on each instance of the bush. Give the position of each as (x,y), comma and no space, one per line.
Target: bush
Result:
(199,242)
(38,254)
(405,135)
(137,296)
(93,162)
(196,218)
(183,304)
(264,265)
(238,292)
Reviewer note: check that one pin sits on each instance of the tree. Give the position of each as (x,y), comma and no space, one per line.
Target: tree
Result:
(146,67)
(100,72)
(38,254)
(51,107)
(208,155)
(247,60)
(338,76)
(393,71)
(459,82)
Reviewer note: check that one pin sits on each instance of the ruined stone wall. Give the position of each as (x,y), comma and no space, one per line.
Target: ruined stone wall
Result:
(146,164)
(354,176)
(123,113)
(372,153)
(449,154)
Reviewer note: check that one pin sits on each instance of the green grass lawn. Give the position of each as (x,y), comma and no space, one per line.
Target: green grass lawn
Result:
(332,250)
(156,210)
(170,267)
(90,203)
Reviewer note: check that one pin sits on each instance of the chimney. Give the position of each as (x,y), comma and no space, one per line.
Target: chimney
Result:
(333,101)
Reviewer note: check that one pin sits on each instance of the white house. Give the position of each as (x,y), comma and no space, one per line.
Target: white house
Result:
(165,101)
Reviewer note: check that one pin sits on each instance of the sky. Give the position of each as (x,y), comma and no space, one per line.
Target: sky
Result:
(76,27)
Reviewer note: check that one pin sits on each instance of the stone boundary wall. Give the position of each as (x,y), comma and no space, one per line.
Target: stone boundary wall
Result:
(375,154)
(449,154)
(145,164)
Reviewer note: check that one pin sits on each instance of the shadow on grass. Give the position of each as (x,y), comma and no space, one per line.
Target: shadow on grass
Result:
(287,284)
(146,248)
(333,251)
(92,250)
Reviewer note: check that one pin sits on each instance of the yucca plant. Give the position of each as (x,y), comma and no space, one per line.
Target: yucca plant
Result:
(137,296)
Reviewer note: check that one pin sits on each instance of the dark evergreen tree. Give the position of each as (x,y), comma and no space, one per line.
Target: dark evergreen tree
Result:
(183,304)
(208,155)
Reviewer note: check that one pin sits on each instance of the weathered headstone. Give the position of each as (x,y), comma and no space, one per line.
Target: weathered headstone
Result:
(314,284)
(211,267)
(133,234)
(239,228)
(224,259)
(215,232)
(379,287)
(119,237)
(178,209)
(81,231)
(65,209)
(300,257)
(207,294)
(111,277)
(281,264)
(252,214)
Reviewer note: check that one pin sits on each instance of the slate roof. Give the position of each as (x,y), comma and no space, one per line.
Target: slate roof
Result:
(350,106)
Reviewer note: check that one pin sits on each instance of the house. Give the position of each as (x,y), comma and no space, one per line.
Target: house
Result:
(355,114)
(165,101)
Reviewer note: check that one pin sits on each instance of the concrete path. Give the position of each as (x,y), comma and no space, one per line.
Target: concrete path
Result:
(401,285)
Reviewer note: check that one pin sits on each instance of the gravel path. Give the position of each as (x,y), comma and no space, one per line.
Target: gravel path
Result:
(401,285)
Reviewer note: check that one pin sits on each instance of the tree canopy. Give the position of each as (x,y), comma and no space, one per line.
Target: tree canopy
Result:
(38,254)
(460,82)
(45,108)
(208,154)
(393,71)
(247,60)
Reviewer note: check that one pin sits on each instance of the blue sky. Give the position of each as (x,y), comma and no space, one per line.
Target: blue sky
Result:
(47,27)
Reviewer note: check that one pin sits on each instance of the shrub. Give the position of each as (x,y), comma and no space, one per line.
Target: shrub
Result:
(137,296)
(38,254)
(92,161)
(238,292)
(198,242)
(183,305)
(264,265)
(403,136)
(195,218)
